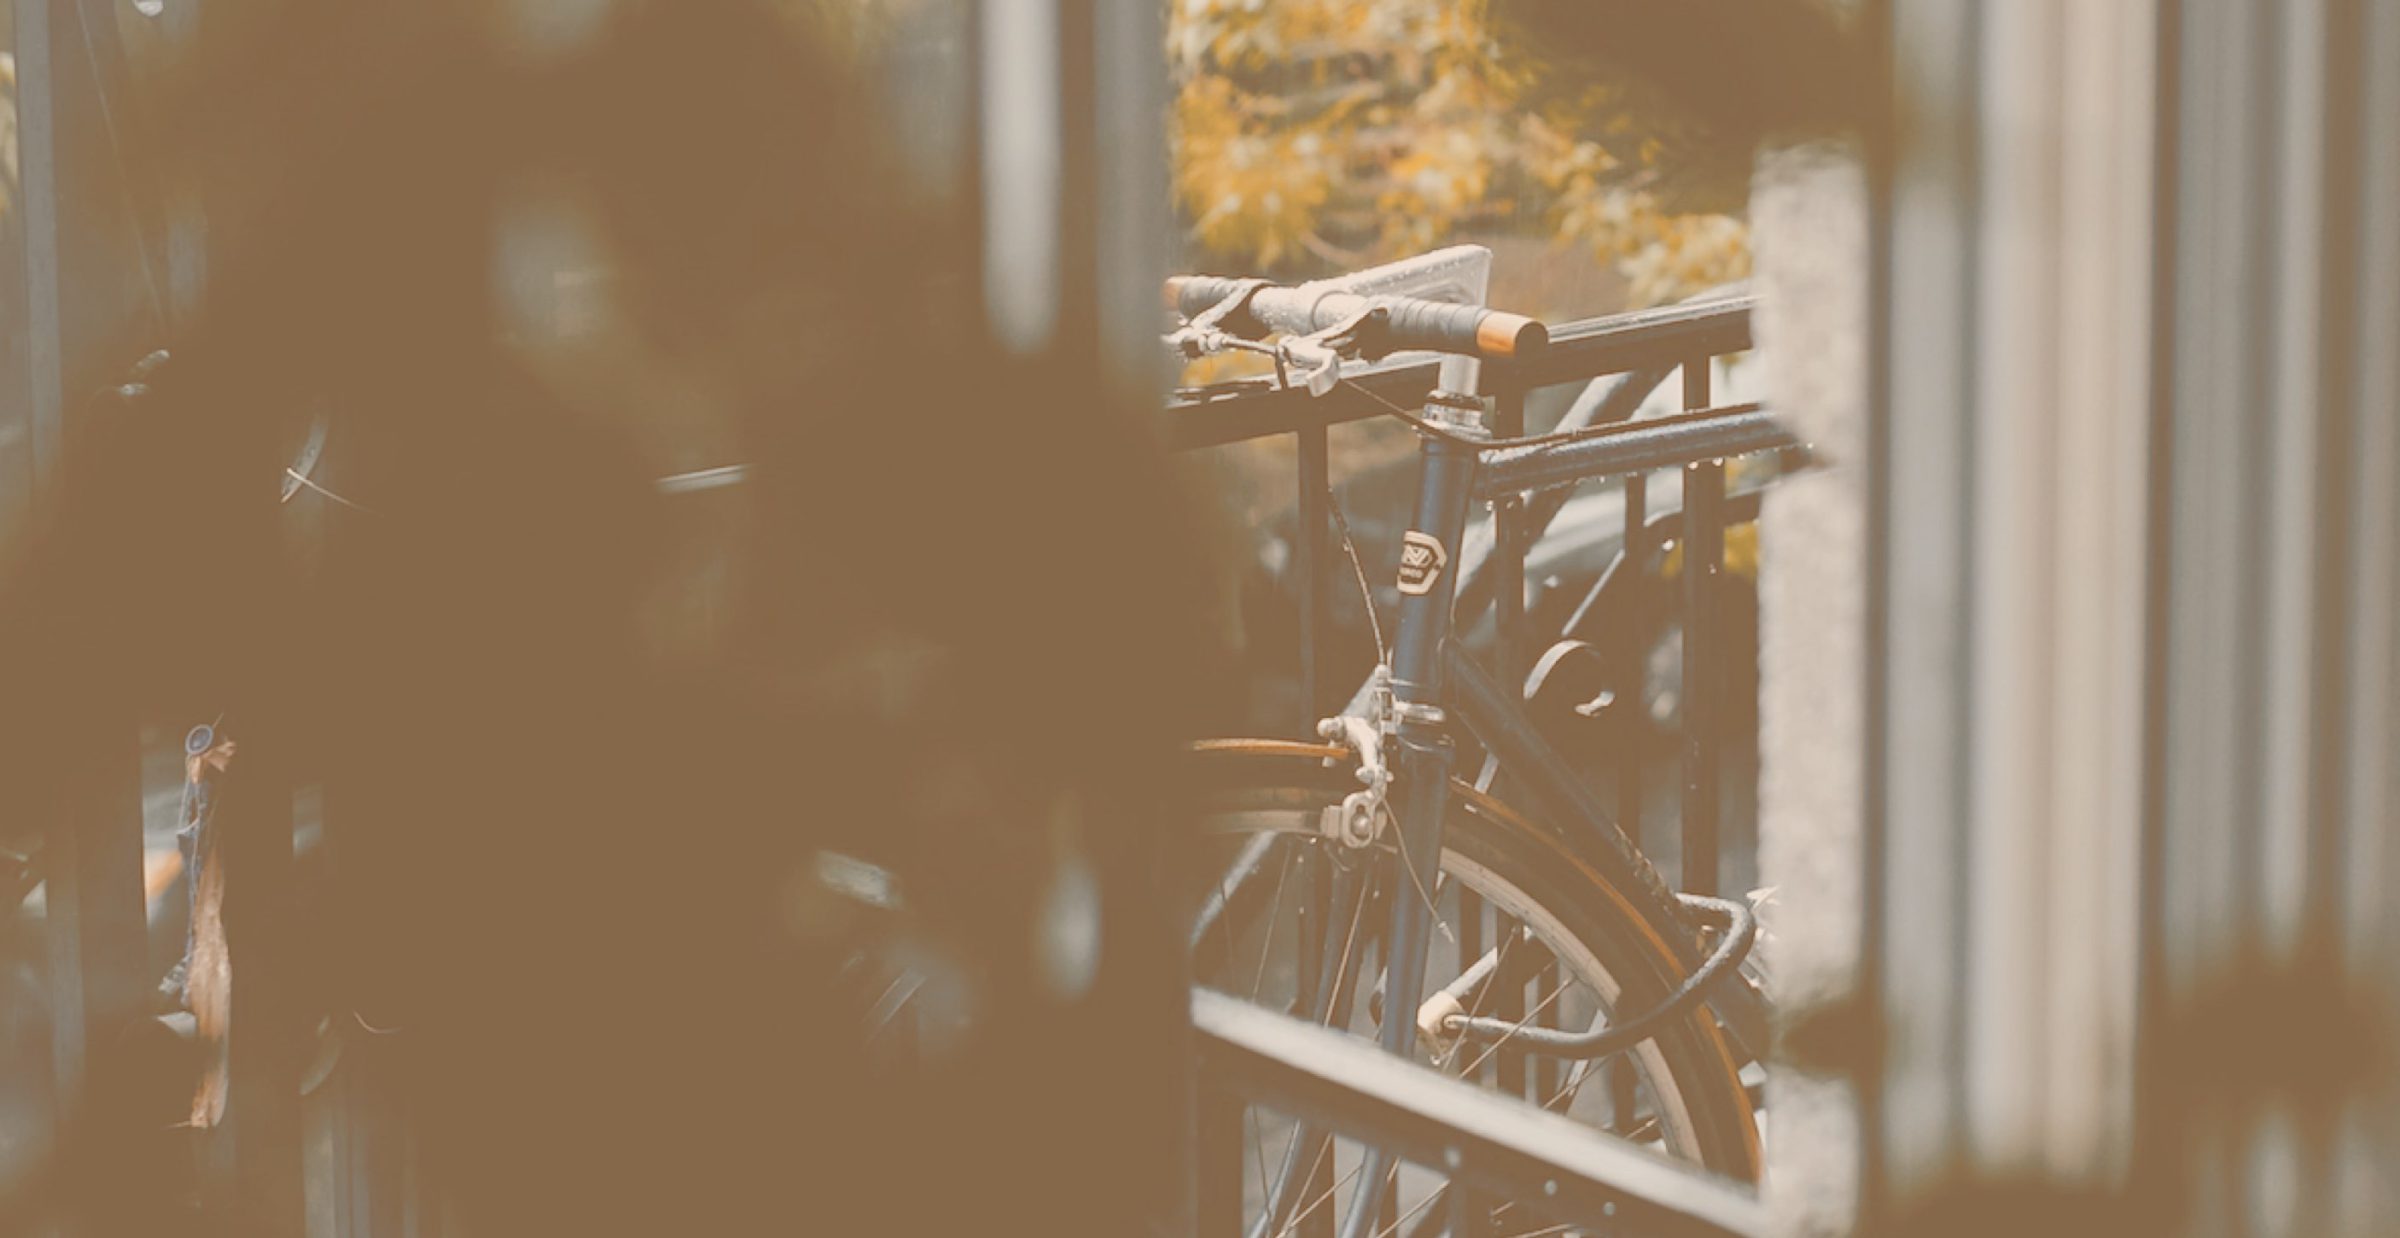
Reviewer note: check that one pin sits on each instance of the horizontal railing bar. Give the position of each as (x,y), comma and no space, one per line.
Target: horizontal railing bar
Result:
(1584,349)
(1596,347)
(1264,414)
(1635,447)
(1562,1169)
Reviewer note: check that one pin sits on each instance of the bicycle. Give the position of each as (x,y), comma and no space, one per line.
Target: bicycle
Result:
(1315,843)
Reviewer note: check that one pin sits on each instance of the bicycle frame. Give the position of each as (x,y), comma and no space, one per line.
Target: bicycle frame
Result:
(1432,680)
(1435,682)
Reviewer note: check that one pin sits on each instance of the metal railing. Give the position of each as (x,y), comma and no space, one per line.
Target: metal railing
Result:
(1551,1165)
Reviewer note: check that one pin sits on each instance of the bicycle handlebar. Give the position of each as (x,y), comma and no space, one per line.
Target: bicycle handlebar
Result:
(1412,323)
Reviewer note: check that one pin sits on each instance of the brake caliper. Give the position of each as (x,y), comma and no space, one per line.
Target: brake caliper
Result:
(1358,820)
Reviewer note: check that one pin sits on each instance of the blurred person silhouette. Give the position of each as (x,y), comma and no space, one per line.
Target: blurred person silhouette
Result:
(571,871)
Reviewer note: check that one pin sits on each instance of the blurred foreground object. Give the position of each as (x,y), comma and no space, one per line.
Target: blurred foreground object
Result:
(2106,319)
(573,803)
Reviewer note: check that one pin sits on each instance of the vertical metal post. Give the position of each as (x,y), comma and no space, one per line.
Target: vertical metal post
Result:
(1508,606)
(1470,948)
(1630,722)
(1703,560)
(1513,539)
(1073,190)
(1310,872)
(1308,561)
(1508,1002)
(38,186)
(1631,662)
(1509,543)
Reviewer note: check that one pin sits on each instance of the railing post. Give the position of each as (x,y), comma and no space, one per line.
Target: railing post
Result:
(1508,541)
(1632,661)
(1703,560)
(1308,562)
(1629,721)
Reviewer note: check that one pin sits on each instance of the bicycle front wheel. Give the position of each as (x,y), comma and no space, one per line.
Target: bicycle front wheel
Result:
(1563,947)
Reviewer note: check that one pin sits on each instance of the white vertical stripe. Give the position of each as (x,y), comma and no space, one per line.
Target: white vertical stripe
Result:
(2014,454)
(2099,552)
(1133,219)
(1022,136)
(1921,740)
(2296,403)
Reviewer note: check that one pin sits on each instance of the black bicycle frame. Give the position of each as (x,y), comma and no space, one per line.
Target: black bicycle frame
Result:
(1432,679)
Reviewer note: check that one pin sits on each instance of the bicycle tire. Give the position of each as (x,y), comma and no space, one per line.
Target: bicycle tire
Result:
(1691,1059)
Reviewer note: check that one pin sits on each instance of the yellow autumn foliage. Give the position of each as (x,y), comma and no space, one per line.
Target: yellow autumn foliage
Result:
(1319,134)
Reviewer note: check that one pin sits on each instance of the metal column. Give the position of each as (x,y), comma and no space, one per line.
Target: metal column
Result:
(1703,562)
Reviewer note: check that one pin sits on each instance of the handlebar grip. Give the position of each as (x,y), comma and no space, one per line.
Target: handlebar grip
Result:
(1191,295)
(1466,330)
(1412,323)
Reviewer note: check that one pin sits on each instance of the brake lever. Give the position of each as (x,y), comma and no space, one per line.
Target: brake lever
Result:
(1322,353)
(1205,332)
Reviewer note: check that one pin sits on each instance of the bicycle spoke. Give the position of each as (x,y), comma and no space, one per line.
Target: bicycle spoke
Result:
(1622,1071)
(1367,1201)
(1509,1005)
(1470,940)
(1545,1068)
(1483,993)
(1280,1194)
(1316,885)
(1500,960)
(1519,1025)
(1319,1202)
(1351,891)
(1274,916)
(1229,884)
(1422,1204)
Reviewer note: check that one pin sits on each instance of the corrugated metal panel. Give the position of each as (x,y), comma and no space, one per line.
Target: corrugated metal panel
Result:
(2089,713)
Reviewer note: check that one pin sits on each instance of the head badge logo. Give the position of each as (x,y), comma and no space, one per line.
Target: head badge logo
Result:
(1421,562)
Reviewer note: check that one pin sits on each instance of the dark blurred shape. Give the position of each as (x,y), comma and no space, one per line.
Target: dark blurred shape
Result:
(564,867)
